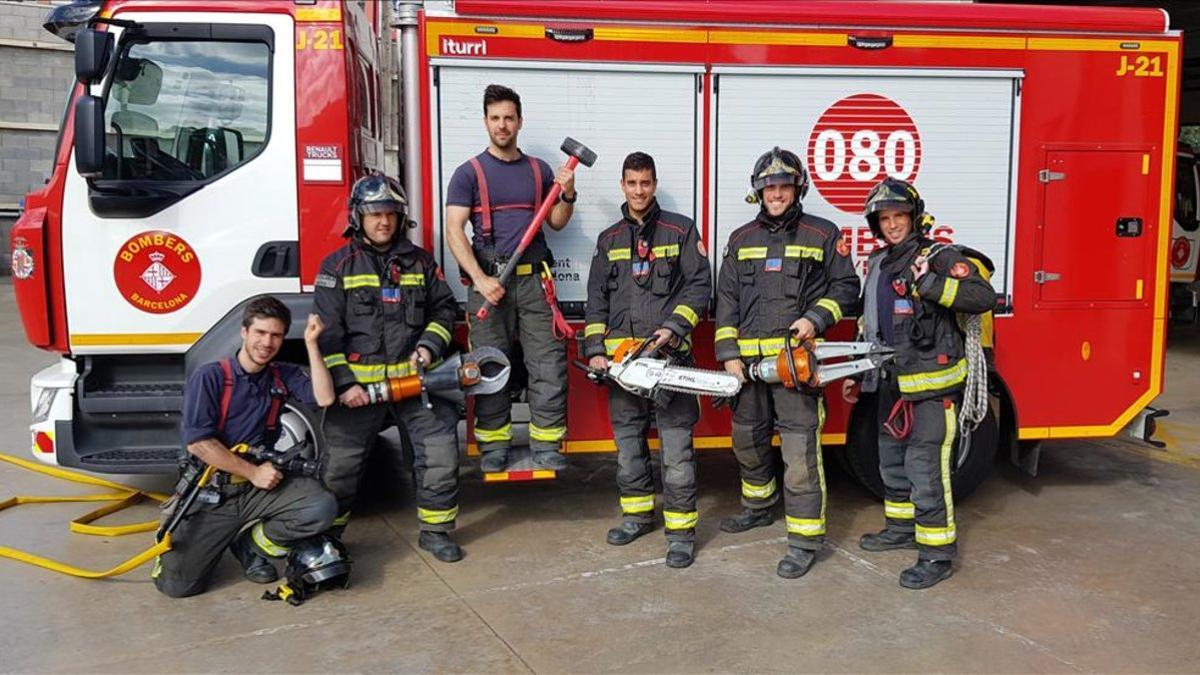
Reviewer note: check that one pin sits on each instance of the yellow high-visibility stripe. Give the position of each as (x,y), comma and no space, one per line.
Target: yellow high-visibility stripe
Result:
(439,330)
(550,434)
(335,360)
(832,307)
(680,520)
(752,253)
(367,373)
(437,516)
(687,313)
(935,380)
(752,491)
(899,510)
(125,339)
(760,346)
(949,292)
(611,344)
(264,542)
(936,536)
(795,251)
(593,329)
(524,269)
(341,520)
(726,333)
(619,254)
(807,527)
(360,280)
(412,279)
(667,251)
(821,456)
(637,504)
(504,433)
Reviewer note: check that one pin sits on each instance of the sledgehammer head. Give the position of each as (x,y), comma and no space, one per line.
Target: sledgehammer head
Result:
(579,151)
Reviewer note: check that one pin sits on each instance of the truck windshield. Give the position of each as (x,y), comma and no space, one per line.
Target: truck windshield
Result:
(186,111)
(1185,193)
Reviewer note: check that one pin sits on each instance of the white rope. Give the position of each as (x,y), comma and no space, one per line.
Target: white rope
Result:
(975,393)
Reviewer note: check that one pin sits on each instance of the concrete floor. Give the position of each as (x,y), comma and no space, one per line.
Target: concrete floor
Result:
(1092,566)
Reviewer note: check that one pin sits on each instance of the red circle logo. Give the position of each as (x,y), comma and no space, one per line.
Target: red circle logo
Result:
(157,272)
(1181,251)
(858,142)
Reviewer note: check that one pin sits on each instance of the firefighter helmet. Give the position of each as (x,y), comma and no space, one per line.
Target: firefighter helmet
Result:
(313,564)
(893,193)
(376,193)
(778,167)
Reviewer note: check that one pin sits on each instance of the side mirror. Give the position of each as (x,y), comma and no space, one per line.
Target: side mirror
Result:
(92,51)
(89,135)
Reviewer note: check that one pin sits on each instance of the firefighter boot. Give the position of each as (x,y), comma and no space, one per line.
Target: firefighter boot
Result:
(796,563)
(747,519)
(550,459)
(440,545)
(681,554)
(255,565)
(627,532)
(926,573)
(494,461)
(887,540)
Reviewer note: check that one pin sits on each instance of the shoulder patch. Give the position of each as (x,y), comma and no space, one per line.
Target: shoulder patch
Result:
(326,281)
(960,270)
(700,247)
(440,275)
(843,247)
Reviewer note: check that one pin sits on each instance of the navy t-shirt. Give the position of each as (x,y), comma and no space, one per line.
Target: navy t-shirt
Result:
(248,404)
(511,193)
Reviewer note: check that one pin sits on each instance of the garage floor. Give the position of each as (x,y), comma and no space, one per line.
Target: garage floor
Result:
(1092,566)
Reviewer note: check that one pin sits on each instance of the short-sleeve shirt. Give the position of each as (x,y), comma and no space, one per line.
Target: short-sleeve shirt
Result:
(511,194)
(248,403)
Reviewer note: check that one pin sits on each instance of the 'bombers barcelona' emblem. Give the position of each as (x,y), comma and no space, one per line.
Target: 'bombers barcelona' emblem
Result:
(157,272)
(22,260)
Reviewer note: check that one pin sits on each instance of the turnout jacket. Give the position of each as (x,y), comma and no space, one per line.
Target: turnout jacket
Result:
(645,275)
(378,306)
(930,356)
(775,272)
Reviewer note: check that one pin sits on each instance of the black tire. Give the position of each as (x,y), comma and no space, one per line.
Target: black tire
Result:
(860,456)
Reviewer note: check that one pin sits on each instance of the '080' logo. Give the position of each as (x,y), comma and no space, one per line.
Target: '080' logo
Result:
(157,272)
(857,142)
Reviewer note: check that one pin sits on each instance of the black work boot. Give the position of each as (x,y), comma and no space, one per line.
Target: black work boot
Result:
(681,554)
(796,563)
(747,519)
(494,461)
(256,566)
(440,545)
(549,459)
(887,540)
(627,532)
(926,573)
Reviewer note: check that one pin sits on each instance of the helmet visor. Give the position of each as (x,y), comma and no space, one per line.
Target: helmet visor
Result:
(387,206)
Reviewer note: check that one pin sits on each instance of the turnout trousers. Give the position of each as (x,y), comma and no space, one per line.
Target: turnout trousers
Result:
(298,508)
(916,472)
(630,417)
(759,408)
(522,315)
(351,432)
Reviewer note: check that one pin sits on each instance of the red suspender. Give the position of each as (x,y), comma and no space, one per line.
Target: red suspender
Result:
(226,394)
(485,207)
(537,183)
(279,394)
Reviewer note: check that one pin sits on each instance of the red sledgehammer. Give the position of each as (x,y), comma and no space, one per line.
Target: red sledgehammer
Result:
(578,153)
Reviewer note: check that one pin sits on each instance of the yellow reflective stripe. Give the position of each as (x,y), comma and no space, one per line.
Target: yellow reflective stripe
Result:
(899,510)
(619,254)
(335,360)
(537,433)
(341,520)
(437,516)
(414,279)
(948,450)
(666,251)
(524,269)
(821,455)
(680,520)
(795,251)
(935,380)
(360,280)
(504,433)
(770,346)
(726,333)
(832,307)
(611,344)
(949,292)
(263,542)
(752,253)
(936,536)
(594,329)
(439,330)
(368,374)
(752,491)
(637,504)
(807,527)
(687,313)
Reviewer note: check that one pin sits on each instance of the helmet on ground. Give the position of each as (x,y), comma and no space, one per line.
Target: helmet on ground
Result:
(778,167)
(893,193)
(313,564)
(375,193)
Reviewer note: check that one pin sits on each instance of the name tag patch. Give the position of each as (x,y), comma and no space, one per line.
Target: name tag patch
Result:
(902,306)
(773,265)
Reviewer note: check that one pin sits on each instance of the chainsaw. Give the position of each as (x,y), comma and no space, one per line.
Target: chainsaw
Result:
(801,364)
(636,368)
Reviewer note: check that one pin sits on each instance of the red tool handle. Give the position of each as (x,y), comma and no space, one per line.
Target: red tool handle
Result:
(530,232)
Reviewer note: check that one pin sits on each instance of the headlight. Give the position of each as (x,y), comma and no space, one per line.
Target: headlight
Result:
(45,401)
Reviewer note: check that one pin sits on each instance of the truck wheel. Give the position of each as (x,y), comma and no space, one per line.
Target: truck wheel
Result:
(860,457)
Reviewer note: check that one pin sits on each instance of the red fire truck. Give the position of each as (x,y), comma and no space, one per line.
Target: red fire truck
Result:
(208,148)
